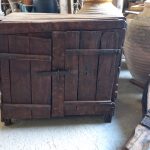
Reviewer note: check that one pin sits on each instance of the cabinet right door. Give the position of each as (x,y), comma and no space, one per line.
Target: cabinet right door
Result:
(92,58)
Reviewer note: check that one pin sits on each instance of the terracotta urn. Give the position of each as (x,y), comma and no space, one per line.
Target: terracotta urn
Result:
(28,2)
(104,7)
(137,45)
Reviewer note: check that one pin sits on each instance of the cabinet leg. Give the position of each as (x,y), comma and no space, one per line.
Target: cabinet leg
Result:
(7,122)
(107,118)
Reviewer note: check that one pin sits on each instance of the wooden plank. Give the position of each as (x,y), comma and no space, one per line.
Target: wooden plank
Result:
(24,57)
(58,81)
(26,111)
(70,6)
(19,44)
(63,6)
(5,82)
(140,140)
(40,43)
(5,76)
(71,63)
(87,107)
(48,16)
(20,82)
(92,51)
(60,25)
(106,73)
(20,70)
(3,43)
(120,35)
(41,113)
(41,85)
(88,65)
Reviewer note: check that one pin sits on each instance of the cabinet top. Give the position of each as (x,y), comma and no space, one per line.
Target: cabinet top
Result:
(46,17)
(44,22)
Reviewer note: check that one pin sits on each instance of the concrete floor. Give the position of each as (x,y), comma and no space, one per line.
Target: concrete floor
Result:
(79,133)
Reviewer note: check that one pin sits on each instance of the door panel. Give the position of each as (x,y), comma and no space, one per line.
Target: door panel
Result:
(58,63)
(105,79)
(92,64)
(71,63)
(24,89)
(40,84)
(20,82)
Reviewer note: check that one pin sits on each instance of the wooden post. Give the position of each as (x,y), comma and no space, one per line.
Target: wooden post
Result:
(70,6)
(1,13)
(13,5)
(63,6)
(118,4)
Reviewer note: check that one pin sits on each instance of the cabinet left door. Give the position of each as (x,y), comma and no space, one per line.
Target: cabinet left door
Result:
(26,92)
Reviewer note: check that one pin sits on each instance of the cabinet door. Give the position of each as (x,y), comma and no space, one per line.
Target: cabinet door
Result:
(26,92)
(87,62)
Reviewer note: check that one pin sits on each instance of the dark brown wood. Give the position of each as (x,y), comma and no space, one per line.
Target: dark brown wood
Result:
(7,122)
(5,82)
(58,81)
(88,107)
(59,65)
(20,82)
(26,111)
(41,85)
(106,67)
(24,57)
(88,65)
(108,117)
(71,63)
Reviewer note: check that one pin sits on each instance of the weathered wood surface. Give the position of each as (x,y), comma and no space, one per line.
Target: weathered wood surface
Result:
(140,141)
(141,137)
(58,81)
(56,17)
(59,65)
(21,23)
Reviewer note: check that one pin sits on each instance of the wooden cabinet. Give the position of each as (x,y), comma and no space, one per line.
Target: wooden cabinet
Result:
(60,66)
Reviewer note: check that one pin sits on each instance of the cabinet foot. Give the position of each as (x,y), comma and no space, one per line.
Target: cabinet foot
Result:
(7,122)
(107,118)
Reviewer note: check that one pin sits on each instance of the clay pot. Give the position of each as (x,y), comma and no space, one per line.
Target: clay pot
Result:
(137,45)
(104,7)
(28,2)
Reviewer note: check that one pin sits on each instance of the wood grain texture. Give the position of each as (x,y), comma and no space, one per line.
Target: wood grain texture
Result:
(40,43)
(25,23)
(107,67)
(88,65)
(26,111)
(58,81)
(41,85)
(88,107)
(19,44)
(71,63)
(20,82)
(4,43)
(57,65)
(20,70)
(5,69)
(5,82)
